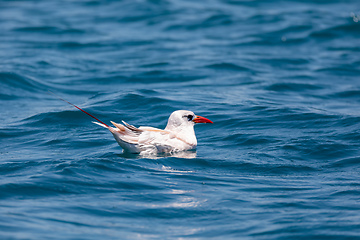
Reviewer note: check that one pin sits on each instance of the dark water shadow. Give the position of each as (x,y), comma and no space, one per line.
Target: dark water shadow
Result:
(182,154)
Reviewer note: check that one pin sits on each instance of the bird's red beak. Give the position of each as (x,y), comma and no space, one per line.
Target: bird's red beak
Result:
(199,119)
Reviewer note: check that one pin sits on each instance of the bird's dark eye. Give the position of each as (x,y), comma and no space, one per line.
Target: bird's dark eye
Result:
(190,117)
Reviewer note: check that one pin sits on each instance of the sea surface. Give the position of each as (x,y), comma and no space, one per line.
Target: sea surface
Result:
(279,79)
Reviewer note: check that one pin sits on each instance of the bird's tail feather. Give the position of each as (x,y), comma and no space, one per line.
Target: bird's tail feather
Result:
(112,130)
(100,124)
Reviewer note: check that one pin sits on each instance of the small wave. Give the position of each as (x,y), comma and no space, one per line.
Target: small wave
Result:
(347,193)
(262,167)
(354,94)
(160,76)
(286,62)
(139,101)
(317,150)
(48,30)
(212,21)
(69,118)
(220,19)
(292,87)
(155,64)
(227,66)
(42,29)
(347,162)
(349,29)
(341,70)
(344,48)
(248,139)
(74,45)
(13,86)
(32,189)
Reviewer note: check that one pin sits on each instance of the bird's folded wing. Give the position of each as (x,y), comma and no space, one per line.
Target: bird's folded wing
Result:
(127,129)
(127,133)
(152,129)
(132,128)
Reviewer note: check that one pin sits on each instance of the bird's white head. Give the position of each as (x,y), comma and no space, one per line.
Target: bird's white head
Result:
(183,119)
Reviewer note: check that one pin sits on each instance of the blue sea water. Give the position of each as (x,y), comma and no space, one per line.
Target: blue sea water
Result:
(279,79)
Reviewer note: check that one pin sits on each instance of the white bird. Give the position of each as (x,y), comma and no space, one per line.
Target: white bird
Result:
(179,134)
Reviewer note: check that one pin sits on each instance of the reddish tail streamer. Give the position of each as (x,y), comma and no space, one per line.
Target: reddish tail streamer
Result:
(80,109)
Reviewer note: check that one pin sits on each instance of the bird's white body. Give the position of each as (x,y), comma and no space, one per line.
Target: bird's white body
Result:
(179,134)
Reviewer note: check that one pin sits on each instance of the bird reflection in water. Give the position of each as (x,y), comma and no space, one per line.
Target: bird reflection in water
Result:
(190,154)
